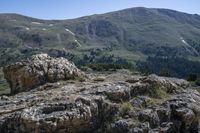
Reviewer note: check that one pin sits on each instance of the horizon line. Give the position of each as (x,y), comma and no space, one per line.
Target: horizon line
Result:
(87,15)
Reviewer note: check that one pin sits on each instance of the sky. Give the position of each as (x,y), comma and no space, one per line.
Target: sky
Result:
(68,9)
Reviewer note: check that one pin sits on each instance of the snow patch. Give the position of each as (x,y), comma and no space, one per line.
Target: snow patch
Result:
(189,47)
(51,24)
(70,32)
(27,28)
(77,42)
(183,41)
(38,23)
(44,29)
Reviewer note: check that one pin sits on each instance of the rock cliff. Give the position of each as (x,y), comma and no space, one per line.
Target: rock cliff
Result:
(121,103)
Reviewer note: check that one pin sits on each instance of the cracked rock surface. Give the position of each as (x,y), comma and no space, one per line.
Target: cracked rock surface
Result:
(128,104)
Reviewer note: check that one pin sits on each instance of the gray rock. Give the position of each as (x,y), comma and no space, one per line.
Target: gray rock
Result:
(149,115)
(185,110)
(136,130)
(140,101)
(38,70)
(93,106)
(121,126)
(142,128)
(148,85)
(119,91)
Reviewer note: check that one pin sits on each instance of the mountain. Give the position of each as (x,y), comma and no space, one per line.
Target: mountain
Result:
(48,94)
(135,37)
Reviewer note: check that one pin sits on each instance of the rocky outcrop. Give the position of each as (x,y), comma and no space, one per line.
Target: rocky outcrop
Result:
(77,115)
(38,70)
(59,110)
(139,104)
(177,114)
(109,106)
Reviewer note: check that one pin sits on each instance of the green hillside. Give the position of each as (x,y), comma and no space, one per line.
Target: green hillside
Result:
(128,37)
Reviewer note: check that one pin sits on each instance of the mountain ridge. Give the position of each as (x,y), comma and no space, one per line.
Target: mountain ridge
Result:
(123,37)
(173,10)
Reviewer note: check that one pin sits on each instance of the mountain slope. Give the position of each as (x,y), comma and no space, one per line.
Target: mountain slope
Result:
(136,27)
(125,36)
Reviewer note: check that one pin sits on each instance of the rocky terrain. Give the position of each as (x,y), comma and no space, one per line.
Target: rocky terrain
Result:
(119,102)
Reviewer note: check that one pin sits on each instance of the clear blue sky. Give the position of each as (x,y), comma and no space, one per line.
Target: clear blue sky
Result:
(66,9)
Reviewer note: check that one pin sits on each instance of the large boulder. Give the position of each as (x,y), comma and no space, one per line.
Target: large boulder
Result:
(38,70)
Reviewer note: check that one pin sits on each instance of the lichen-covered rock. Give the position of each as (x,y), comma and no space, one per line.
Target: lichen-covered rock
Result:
(120,126)
(58,110)
(107,106)
(119,91)
(154,85)
(38,70)
(78,115)
(151,116)
(185,111)
(141,101)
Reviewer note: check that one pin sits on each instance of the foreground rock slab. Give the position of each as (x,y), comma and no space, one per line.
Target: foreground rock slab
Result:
(38,70)
(150,104)
(120,103)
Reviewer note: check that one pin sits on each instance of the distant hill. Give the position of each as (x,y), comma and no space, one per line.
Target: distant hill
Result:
(134,37)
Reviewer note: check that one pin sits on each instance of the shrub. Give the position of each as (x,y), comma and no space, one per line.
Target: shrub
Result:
(158,92)
(125,108)
(164,72)
(192,77)
(197,82)
(106,67)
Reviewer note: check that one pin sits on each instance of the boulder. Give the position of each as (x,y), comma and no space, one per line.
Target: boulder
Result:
(154,85)
(38,70)
(121,126)
(185,111)
(149,115)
